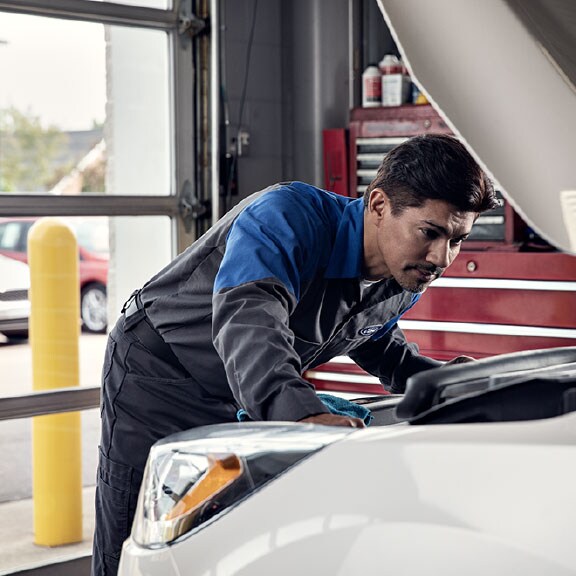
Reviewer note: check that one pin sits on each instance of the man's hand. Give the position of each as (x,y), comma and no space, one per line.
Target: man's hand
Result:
(334,420)
(460,360)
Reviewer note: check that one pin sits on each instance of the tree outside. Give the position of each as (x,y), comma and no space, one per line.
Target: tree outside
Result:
(27,152)
(37,158)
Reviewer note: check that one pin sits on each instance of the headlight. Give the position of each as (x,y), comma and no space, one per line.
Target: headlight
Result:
(193,476)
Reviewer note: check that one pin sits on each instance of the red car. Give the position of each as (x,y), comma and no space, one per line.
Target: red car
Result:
(92,236)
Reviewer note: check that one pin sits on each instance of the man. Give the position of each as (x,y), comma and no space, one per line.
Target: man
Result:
(290,278)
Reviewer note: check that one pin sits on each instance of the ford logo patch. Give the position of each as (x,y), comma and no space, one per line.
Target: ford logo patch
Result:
(369,330)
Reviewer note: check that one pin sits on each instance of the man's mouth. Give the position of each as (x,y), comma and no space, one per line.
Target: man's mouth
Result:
(427,273)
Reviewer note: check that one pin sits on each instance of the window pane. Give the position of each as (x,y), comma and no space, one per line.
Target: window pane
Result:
(84,108)
(105,245)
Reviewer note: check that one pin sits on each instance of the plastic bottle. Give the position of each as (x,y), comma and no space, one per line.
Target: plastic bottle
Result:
(371,87)
(390,64)
(395,81)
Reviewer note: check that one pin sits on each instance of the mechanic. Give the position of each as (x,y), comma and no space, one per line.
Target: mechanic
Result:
(288,279)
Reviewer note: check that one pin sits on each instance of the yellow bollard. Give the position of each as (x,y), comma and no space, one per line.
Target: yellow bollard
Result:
(54,339)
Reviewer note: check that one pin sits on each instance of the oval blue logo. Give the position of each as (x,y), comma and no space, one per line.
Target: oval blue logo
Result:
(369,330)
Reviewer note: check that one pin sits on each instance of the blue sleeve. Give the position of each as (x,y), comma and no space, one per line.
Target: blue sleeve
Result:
(283,236)
(276,243)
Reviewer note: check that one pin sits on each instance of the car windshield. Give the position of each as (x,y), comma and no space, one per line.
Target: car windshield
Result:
(9,235)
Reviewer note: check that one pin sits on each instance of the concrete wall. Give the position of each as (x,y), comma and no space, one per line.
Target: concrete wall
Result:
(262,115)
(297,85)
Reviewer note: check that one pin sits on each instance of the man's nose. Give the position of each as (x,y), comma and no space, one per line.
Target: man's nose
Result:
(440,254)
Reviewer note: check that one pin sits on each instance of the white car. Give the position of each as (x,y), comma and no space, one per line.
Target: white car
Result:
(478,480)
(473,470)
(14,303)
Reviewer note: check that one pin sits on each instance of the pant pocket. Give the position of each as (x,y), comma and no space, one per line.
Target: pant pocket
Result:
(115,510)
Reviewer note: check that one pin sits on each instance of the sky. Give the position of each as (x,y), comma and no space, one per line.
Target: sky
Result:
(54,69)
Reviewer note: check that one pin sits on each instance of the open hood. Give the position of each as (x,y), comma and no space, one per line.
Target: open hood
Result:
(503,74)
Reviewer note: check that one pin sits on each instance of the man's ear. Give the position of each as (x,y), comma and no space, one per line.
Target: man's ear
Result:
(378,202)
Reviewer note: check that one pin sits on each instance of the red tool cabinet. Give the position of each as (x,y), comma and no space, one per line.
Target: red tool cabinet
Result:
(506,291)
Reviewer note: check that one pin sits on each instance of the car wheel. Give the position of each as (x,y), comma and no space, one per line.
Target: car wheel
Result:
(93,308)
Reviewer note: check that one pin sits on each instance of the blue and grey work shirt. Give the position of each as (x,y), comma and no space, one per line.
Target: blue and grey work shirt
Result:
(273,289)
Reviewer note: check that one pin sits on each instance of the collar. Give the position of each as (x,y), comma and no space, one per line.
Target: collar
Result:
(348,250)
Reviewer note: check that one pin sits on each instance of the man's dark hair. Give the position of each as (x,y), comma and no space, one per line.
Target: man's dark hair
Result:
(433,167)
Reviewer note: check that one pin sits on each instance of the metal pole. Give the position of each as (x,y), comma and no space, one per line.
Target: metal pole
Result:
(54,338)
(215,108)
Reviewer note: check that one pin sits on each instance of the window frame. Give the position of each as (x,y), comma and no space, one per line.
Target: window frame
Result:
(181,25)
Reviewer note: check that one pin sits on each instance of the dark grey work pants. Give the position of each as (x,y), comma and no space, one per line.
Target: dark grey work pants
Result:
(144,399)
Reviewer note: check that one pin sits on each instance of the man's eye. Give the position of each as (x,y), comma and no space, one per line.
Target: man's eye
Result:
(429,233)
(457,241)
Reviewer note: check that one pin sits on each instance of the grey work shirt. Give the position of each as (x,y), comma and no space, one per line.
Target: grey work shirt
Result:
(273,289)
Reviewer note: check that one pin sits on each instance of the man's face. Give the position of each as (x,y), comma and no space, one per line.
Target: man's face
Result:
(415,246)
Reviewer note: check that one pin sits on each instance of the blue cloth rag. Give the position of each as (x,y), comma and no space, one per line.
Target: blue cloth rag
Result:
(335,404)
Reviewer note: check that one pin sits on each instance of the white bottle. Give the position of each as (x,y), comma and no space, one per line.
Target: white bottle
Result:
(395,81)
(371,87)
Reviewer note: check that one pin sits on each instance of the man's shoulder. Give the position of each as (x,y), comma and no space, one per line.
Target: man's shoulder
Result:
(299,196)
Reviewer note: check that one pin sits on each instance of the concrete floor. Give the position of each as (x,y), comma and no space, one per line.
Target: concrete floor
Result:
(17,549)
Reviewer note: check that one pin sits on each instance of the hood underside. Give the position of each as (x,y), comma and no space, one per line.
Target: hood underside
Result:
(503,75)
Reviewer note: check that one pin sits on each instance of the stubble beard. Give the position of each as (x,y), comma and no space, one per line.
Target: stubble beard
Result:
(416,286)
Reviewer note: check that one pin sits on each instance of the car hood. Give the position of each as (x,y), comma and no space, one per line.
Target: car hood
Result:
(503,75)
(466,499)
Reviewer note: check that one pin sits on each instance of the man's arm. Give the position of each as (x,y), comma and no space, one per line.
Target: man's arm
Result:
(252,336)
(392,359)
(335,420)
(272,246)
